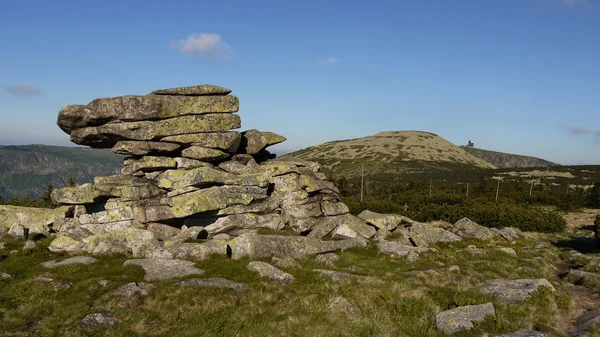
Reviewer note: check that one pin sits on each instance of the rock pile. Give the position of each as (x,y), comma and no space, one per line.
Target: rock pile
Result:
(188,175)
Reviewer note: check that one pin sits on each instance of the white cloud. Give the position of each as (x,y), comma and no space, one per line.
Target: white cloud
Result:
(329,60)
(208,44)
(20,89)
(576,2)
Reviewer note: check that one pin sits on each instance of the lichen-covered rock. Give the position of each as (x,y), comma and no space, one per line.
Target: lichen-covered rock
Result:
(132,289)
(36,220)
(334,208)
(193,251)
(140,148)
(513,291)
(387,221)
(228,141)
(195,90)
(262,246)
(328,259)
(211,199)
(266,270)
(108,135)
(148,164)
(526,333)
(462,318)
(425,234)
(163,232)
(159,269)
(253,141)
(65,244)
(208,176)
(204,153)
(140,108)
(398,249)
(232,223)
(468,229)
(17,231)
(130,241)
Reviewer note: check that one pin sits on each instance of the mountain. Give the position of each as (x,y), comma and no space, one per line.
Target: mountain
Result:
(26,170)
(392,153)
(508,160)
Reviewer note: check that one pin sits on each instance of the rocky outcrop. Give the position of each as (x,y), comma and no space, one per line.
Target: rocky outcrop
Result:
(190,175)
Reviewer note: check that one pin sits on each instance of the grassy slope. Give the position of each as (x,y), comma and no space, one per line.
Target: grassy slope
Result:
(508,160)
(390,153)
(395,304)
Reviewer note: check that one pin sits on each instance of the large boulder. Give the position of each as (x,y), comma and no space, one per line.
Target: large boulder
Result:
(462,318)
(235,222)
(213,198)
(140,148)
(140,108)
(130,241)
(262,246)
(194,90)
(513,291)
(107,135)
(426,234)
(266,270)
(159,269)
(227,141)
(468,229)
(36,220)
(208,176)
(253,141)
(387,221)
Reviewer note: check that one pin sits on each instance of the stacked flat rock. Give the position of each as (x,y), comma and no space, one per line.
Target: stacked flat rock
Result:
(188,172)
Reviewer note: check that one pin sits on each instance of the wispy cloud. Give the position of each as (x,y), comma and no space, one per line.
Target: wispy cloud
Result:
(20,89)
(206,44)
(576,2)
(597,133)
(577,130)
(329,60)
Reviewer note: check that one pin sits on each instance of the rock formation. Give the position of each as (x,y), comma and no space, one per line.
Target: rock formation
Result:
(189,175)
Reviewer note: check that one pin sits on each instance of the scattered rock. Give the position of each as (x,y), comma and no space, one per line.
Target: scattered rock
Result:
(213,283)
(397,249)
(462,318)
(425,234)
(513,291)
(158,269)
(98,320)
(468,229)
(132,289)
(412,257)
(338,275)
(286,262)
(29,245)
(5,276)
(69,261)
(587,321)
(577,276)
(381,221)
(65,244)
(266,270)
(508,251)
(103,283)
(341,304)
(328,259)
(454,268)
(17,231)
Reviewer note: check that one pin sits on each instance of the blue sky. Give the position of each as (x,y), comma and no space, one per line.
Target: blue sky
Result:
(519,76)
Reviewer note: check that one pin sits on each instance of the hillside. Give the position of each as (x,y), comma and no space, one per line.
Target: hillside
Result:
(392,153)
(508,160)
(25,170)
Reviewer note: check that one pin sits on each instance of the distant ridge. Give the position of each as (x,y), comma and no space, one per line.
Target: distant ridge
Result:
(25,170)
(508,160)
